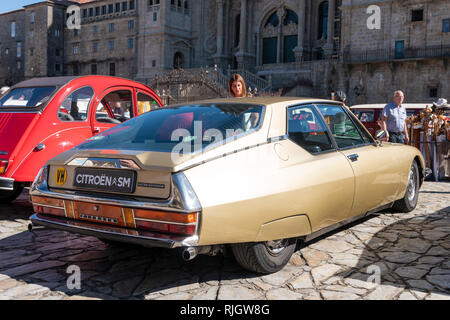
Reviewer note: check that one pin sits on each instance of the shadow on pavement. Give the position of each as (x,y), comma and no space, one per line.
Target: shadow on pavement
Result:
(412,253)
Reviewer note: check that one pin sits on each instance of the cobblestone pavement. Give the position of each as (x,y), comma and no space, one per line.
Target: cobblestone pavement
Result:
(408,253)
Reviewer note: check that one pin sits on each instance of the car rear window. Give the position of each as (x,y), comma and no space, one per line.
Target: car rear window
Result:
(27,97)
(182,129)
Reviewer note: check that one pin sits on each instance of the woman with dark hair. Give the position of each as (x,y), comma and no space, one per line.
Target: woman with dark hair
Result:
(236,86)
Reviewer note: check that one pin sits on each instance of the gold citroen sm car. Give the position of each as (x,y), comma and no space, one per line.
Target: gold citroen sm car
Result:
(258,175)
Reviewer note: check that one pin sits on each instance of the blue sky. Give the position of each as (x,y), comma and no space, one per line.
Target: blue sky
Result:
(7,5)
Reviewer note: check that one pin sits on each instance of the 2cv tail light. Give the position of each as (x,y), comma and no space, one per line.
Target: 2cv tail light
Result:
(3,166)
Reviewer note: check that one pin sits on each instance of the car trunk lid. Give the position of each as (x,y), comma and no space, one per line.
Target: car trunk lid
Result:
(118,173)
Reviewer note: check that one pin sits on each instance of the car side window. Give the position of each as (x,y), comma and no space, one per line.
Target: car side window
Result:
(145,103)
(342,127)
(121,104)
(306,128)
(76,106)
(104,114)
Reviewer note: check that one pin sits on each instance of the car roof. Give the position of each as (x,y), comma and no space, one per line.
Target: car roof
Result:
(44,82)
(260,100)
(382,105)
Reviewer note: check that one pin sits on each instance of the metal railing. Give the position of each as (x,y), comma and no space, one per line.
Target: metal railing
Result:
(381,55)
(251,79)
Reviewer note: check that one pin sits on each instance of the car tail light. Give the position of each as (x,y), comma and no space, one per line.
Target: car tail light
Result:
(3,166)
(50,206)
(170,222)
(166,227)
(166,216)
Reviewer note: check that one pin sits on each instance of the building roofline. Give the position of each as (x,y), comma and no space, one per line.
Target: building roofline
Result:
(11,12)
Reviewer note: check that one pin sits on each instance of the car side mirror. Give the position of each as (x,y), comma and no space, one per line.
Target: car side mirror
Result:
(381,134)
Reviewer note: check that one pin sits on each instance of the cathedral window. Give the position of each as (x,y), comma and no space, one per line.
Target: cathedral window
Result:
(323,21)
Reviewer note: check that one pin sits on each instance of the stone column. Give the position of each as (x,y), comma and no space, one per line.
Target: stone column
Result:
(242,34)
(219,27)
(330,32)
(280,13)
(301,31)
(219,57)
(258,49)
(244,58)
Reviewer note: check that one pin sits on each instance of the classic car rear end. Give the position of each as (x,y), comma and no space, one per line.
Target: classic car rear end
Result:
(137,191)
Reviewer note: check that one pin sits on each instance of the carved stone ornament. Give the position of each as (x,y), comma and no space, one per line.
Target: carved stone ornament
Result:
(290,29)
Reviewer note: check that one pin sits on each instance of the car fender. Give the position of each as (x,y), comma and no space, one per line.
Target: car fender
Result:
(56,143)
(288,227)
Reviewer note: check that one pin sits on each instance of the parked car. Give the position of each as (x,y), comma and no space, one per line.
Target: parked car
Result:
(248,172)
(370,114)
(42,117)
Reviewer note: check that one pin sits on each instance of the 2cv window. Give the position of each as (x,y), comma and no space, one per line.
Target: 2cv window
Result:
(76,106)
(120,103)
(27,97)
(145,103)
(306,128)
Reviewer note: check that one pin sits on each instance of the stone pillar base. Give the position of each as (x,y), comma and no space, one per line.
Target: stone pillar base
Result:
(221,61)
(299,54)
(245,60)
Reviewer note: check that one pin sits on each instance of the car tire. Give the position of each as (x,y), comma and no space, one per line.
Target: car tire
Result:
(264,257)
(7,196)
(409,201)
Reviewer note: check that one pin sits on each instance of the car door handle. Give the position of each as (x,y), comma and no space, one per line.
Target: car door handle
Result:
(96,130)
(353,157)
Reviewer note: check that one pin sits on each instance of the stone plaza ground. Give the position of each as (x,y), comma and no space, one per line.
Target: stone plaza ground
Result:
(385,256)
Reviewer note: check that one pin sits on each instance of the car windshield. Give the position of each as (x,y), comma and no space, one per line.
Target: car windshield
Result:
(183,129)
(27,97)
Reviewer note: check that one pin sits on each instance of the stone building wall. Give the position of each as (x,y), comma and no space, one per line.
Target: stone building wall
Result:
(421,71)
(103,40)
(12,66)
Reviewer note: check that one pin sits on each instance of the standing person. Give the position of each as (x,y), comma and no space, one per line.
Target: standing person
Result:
(236,86)
(393,119)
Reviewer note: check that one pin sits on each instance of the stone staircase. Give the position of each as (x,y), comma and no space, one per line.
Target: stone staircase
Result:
(185,85)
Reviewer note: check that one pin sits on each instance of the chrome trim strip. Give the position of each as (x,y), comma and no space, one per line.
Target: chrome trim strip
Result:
(168,222)
(65,209)
(134,218)
(105,163)
(6,184)
(87,228)
(48,206)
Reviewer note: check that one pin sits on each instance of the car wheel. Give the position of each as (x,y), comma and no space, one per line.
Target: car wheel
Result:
(6,196)
(409,201)
(264,257)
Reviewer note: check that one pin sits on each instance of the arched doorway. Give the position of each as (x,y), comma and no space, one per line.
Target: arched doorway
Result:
(178,60)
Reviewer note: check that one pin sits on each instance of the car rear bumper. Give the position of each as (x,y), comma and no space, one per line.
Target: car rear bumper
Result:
(6,184)
(143,238)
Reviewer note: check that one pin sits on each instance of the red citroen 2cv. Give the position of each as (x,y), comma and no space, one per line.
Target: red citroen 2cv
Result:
(43,117)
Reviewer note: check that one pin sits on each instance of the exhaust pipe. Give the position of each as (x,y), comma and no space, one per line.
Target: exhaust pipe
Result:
(189,253)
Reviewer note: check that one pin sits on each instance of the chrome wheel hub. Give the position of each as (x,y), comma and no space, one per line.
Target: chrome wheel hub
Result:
(276,246)
(411,188)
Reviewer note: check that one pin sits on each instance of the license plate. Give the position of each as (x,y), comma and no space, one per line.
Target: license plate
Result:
(122,181)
